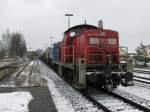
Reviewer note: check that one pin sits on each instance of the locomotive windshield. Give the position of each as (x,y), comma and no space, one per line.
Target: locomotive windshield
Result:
(74,33)
(112,41)
(93,40)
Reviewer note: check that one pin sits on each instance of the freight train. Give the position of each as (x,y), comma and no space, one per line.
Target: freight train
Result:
(89,54)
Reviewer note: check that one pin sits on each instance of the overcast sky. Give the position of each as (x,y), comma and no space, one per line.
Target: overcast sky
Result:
(40,19)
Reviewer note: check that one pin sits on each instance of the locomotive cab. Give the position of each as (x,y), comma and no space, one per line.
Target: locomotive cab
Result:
(102,56)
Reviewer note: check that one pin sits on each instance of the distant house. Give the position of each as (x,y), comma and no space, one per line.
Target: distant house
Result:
(147,51)
(1,45)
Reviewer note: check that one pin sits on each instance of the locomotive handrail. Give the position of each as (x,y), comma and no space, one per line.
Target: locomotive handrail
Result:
(72,56)
(103,46)
(69,54)
(94,54)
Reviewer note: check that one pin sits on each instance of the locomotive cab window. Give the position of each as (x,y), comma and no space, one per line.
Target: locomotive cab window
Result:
(112,41)
(93,40)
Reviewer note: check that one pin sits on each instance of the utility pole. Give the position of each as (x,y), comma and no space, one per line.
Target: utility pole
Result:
(68,15)
(51,41)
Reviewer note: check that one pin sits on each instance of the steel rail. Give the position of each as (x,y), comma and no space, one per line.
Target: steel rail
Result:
(141,81)
(30,73)
(142,71)
(95,102)
(142,78)
(105,109)
(138,106)
(22,69)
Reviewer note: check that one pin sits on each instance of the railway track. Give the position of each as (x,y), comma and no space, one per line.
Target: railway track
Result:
(142,71)
(18,77)
(141,79)
(111,102)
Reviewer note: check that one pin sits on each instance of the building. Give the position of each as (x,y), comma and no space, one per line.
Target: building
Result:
(147,51)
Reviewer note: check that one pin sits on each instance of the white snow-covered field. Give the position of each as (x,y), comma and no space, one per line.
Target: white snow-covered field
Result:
(15,101)
(66,98)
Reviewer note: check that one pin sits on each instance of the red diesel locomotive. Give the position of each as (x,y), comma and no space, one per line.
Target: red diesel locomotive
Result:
(88,52)
(96,45)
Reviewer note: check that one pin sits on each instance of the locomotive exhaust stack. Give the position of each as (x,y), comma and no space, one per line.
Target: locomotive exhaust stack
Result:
(100,24)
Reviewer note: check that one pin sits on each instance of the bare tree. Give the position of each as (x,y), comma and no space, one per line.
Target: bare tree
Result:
(2,50)
(13,45)
(2,53)
(140,49)
(17,45)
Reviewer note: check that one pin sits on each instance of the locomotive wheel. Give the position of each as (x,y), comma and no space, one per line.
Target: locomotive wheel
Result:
(101,80)
(69,76)
(116,79)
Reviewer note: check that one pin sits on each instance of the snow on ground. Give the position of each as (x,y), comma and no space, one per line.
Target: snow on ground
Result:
(14,81)
(60,101)
(65,97)
(15,101)
(136,90)
(130,94)
(142,75)
(24,79)
(145,80)
(135,93)
(3,64)
(10,81)
(144,85)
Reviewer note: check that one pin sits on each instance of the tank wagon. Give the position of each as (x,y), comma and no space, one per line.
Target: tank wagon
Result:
(90,53)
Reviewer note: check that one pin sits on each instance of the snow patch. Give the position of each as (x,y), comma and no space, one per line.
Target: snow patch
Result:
(142,75)
(15,101)
(137,91)
(60,101)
